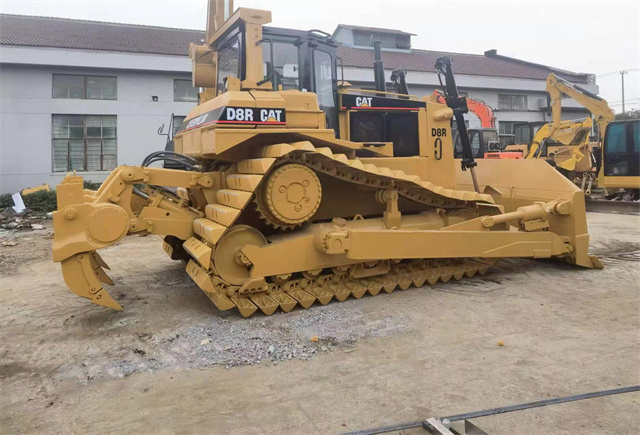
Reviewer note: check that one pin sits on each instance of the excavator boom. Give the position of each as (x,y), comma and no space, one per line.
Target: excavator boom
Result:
(600,110)
(482,110)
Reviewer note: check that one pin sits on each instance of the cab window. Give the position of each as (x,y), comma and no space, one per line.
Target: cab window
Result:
(617,139)
(323,84)
(621,149)
(284,66)
(475,142)
(228,63)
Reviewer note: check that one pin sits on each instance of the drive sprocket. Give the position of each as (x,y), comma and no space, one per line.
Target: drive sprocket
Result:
(289,196)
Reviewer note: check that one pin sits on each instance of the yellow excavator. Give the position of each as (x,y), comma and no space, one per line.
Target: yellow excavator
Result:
(287,186)
(612,163)
(583,162)
(565,144)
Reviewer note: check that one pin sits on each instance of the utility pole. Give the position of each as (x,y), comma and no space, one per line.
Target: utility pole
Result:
(622,73)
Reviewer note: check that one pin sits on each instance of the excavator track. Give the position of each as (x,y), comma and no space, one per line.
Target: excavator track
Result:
(223,281)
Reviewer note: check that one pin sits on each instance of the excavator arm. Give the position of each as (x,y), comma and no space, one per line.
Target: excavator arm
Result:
(483,112)
(478,107)
(570,133)
(557,87)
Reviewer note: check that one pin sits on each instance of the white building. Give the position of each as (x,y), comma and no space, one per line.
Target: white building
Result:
(88,96)
(515,89)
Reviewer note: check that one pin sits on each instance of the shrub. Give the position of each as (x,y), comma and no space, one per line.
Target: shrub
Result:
(41,201)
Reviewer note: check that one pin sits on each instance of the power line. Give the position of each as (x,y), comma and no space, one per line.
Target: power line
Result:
(620,101)
(616,72)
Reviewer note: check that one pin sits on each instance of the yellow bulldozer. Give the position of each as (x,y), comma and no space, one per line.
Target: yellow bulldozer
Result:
(287,186)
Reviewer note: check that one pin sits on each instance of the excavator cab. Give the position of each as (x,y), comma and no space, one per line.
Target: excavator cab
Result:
(483,140)
(621,155)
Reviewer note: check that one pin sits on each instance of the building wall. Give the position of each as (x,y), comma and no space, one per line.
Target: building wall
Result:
(27,106)
(26,103)
(345,36)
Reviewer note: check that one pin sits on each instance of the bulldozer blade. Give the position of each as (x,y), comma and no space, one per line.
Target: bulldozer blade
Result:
(597,264)
(84,280)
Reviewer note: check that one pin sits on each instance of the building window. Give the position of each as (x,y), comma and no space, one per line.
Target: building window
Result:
(512,102)
(506,127)
(387,40)
(183,90)
(84,143)
(84,87)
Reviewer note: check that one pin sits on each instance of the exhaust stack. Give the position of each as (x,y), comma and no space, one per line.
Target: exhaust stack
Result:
(378,67)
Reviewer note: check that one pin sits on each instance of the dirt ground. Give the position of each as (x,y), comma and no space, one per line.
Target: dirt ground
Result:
(172,363)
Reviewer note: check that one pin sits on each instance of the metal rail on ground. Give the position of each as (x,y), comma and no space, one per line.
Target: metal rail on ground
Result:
(495,411)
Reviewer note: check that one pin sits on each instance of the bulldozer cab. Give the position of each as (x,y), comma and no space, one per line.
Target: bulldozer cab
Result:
(305,61)
(244,54)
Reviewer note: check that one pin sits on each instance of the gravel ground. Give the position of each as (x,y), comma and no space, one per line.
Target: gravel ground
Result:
(172,363)
(232,342)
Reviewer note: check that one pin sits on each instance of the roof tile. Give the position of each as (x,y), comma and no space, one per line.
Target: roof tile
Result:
(95,35)
(469,64)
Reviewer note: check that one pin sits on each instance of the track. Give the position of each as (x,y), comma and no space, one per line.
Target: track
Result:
(226,284)
(338,285)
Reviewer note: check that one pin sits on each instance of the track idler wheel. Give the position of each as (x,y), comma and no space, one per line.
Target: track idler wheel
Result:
(228,260)
(290,196)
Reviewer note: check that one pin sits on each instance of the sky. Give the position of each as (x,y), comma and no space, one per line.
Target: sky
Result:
(599,37)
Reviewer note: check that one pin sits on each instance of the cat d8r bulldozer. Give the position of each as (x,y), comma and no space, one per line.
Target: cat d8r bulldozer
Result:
(287,186)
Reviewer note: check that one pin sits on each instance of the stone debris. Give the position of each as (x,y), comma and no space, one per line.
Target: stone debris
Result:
(27,220)
(230,341)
